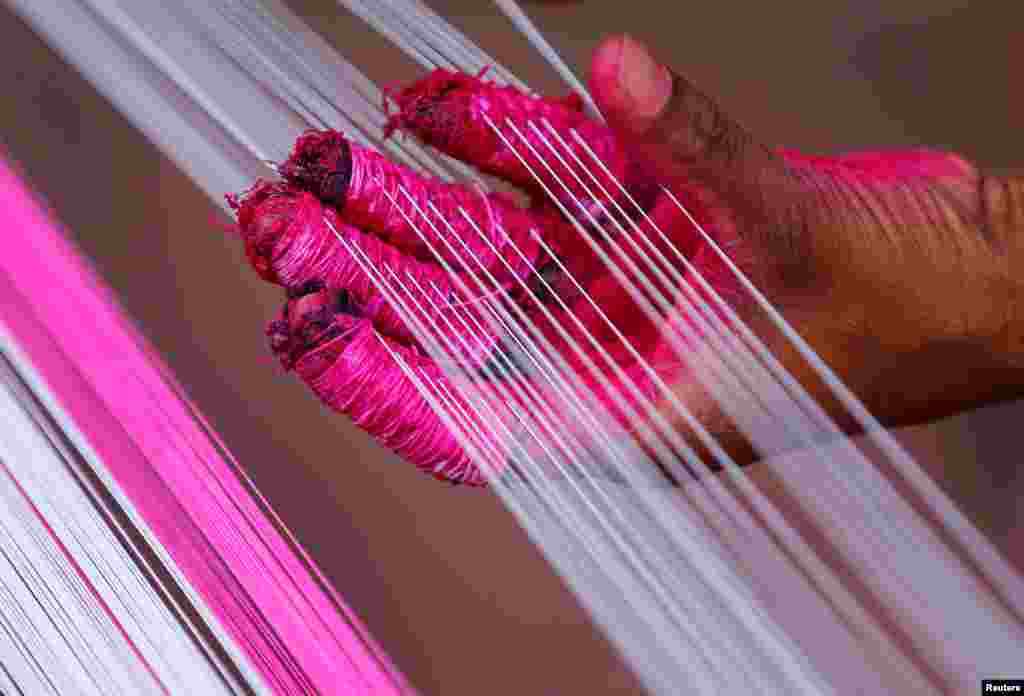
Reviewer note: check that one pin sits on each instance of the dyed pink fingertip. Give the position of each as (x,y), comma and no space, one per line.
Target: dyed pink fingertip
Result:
(631,88)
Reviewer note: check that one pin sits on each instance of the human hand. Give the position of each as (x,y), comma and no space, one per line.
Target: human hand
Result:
(902,269)
(858,252)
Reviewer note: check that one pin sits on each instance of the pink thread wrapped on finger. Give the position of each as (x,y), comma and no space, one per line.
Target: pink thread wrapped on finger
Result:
(337,327)
(419,215)
(450,111)
(290,240)
(342,360)
(363,381)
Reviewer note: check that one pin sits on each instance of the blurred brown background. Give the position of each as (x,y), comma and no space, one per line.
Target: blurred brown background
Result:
(444,578)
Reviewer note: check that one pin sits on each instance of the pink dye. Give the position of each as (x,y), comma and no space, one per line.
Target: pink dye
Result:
(328,338)
(447,110)
(289,240)
(354,374)
(368,192)
(326,331)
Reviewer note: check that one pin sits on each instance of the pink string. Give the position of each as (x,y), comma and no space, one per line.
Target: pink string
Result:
(290,241)
(267,594)
(397,220)
(355,375)
(446,109)
(382,198)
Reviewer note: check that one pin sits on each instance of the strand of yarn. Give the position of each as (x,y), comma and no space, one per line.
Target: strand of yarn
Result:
(354,375)
(290,242)
(447,110)
(402,207)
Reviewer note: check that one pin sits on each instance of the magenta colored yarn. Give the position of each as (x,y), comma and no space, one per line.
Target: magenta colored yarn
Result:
(336,352)
(446,109)
(327,331)
(368,192)
(296,632)
(285,230)
(355,375)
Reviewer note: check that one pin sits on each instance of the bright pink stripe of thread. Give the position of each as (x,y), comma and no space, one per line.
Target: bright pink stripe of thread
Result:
(294,628)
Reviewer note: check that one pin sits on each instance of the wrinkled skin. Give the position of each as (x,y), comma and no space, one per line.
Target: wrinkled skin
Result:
(902,269)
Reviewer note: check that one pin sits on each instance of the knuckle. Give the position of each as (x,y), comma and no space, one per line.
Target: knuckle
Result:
(696,127)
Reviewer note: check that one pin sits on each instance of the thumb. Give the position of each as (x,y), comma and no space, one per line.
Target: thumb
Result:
(679,129)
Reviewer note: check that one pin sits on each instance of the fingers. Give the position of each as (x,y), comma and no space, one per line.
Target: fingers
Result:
(330,332)
(681,130)
(294,241)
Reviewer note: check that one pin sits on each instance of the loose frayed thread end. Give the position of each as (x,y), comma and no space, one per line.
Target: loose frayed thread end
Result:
(321,163)
(433,103)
